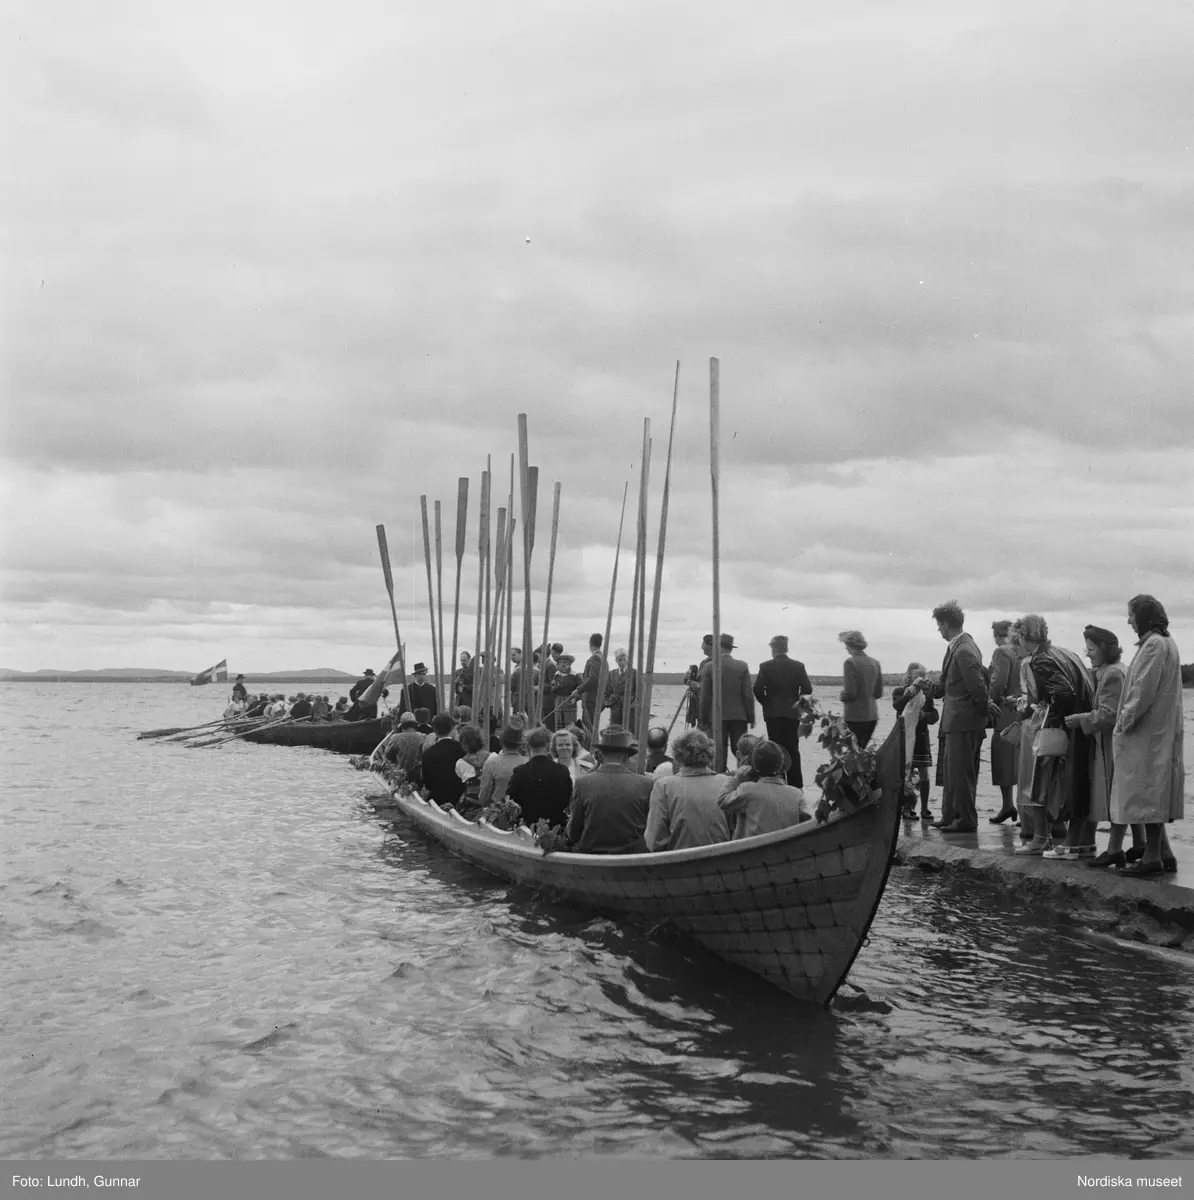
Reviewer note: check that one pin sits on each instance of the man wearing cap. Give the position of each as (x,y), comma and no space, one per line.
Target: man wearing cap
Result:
(609,805)
(586,690)
(404,748)
(420,693)
(778,687)
(737,699)
(563,684)
(239,691)
(495,774)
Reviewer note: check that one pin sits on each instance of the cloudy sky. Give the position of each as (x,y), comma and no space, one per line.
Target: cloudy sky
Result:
(276,268)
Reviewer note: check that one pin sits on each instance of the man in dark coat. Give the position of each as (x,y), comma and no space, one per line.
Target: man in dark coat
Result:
(963,688)
(404,748)
(302,707)
(462,683)
(541,787)
(358,711)
(737,699)
(239,691)
(586,690)
(778,687)
(438,763)
(609,805)
(420,693)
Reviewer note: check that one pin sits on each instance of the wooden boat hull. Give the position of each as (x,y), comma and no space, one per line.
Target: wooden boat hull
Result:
(793,907)
(341,737)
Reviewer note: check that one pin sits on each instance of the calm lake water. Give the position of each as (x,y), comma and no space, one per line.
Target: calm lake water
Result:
(224,953)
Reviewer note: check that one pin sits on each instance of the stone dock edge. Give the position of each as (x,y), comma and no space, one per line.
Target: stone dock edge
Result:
(1154,910)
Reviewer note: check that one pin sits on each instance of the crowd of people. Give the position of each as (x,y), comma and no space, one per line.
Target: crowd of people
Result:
(1072,745)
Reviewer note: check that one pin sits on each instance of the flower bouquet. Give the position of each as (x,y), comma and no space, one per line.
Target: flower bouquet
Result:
(847,780)
(549,837)
(501,814)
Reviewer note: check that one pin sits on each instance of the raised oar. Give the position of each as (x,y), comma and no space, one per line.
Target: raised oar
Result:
(508,705)
(461,523)
(719,760)
(482,617)
(633,666)
(551,570)
(430,587)
(439,599)
(643,715)
(383,546)
(649,681)
(603,671)
(527,698)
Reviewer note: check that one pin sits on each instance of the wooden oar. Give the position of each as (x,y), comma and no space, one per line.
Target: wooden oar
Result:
(156,733)
(551,570)
(461,524)
(384,548)
(485,565)
(262,728)
(430,586)
(214,730)
(633,657)
(719,760)
(439,603)
(649,681)
(603,671)
(508,703)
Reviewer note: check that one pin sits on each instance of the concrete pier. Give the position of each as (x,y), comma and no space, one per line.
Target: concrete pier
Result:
(1158,910)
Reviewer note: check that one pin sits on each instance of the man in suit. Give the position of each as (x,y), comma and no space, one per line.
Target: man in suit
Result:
(696,684)
(542,788)
(778,687)
(615,692)
(586,690)
(963,688)
(420,693)
(737,699)
(609,806)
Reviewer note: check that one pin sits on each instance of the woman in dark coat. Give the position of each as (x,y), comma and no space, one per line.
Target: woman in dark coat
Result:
(1003,691)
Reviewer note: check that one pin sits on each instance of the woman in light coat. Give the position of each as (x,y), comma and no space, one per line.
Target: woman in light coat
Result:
(1147,740)
(862,686)
(1104,652)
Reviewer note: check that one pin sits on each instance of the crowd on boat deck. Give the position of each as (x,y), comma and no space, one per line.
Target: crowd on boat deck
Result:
(1073,746)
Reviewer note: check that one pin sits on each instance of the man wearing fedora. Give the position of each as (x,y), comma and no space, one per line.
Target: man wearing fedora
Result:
(737,699)
(420,693)
(778,687)
(609,806)
(239,691)
(358,711)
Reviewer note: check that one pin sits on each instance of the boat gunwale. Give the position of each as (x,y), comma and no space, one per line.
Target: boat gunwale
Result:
(483,835)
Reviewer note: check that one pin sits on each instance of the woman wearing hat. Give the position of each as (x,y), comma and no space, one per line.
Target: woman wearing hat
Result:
(862,687)
(1103,650)
(1003,689)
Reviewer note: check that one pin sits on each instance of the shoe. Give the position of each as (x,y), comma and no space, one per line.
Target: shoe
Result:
(1134,855)
(1141,870)
(1037,848)
(956,827)
(999,818)
(941,824)
(925,815)
(1107,859)
(1060,851)
(1170,865)
(1087,851)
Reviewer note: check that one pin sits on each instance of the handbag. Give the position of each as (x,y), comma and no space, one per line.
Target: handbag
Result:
(1050,743)
(1010,734)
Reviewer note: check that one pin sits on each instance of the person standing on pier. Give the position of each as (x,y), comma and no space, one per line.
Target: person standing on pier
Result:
(963,688)
(587,689)
(462,682)
(563,684)
(1003,690)
(862,687)
(778,687)
(615,692)
(737,699)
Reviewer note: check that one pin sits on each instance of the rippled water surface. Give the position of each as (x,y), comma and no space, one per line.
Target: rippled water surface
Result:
(226,954)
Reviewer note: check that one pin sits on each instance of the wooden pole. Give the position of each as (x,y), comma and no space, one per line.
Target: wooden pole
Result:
(482,572)
(641,667)
(384,548)
(603,673)
(508,702)
(487,652)
(439,606)
(430,588)
(461,523)
(527,692)
(719,762)
(649,682)
(499,590)
(551,570)
(629,693)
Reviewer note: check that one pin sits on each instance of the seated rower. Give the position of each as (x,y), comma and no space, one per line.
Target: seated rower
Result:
(403,747)
(302,707)
(438,763)
(541,787)
(768,803)
(609,805)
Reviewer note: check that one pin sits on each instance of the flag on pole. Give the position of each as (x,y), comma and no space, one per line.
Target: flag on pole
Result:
(216,674)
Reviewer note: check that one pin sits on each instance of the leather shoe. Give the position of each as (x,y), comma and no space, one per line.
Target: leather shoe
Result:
(958,827)
(999,818)
(1107,859)
(1141,870)
(1135,854)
